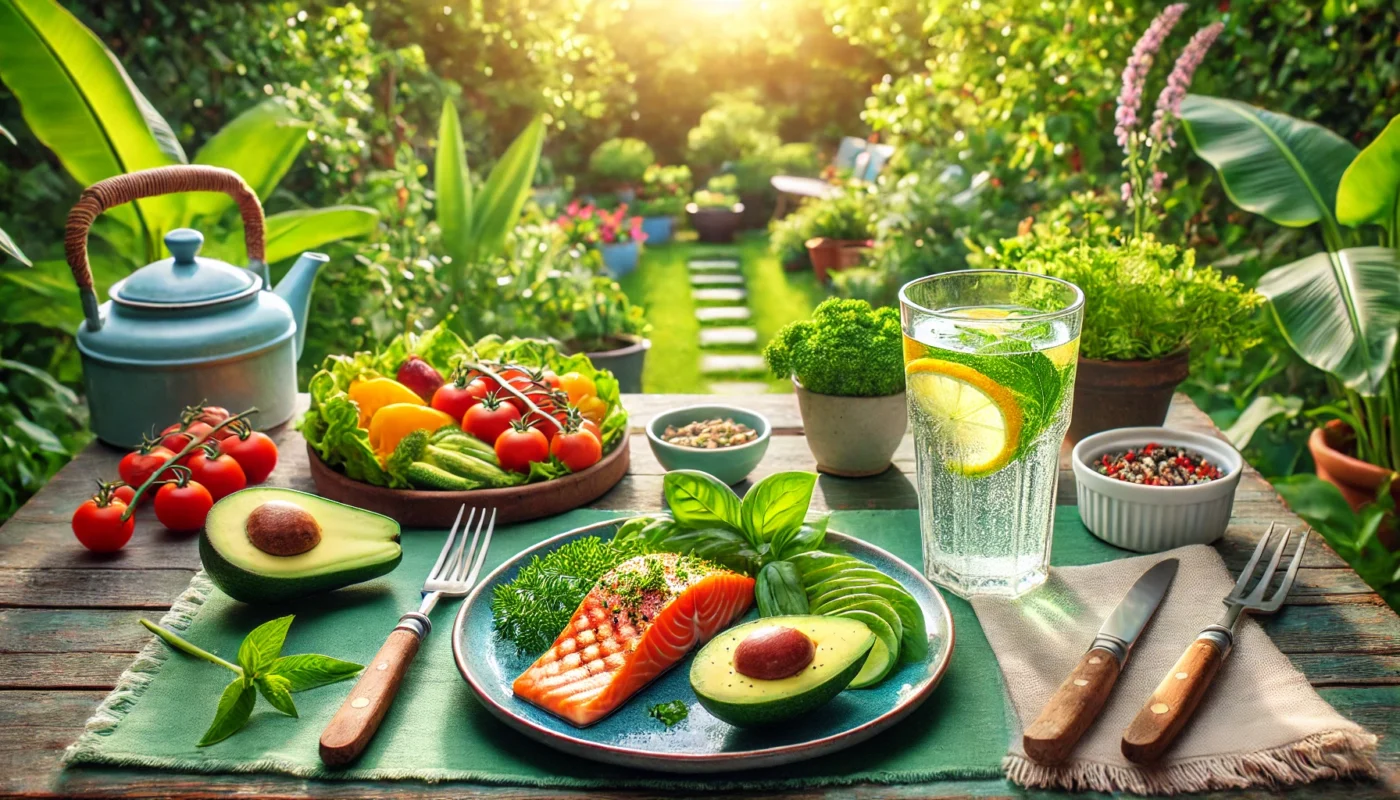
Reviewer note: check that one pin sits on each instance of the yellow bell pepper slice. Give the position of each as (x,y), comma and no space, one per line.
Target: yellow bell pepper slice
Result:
(375,393)
(397,420)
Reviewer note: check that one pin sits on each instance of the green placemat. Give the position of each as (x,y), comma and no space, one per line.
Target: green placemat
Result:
(436,730)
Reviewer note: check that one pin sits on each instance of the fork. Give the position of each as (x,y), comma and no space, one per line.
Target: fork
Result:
(453,575)
(1174,701)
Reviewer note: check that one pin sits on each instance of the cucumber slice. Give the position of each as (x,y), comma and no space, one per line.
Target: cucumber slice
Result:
(878,606)
(828,568)
(881,660)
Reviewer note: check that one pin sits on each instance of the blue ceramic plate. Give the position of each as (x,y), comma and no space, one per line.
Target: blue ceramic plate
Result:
(700,743)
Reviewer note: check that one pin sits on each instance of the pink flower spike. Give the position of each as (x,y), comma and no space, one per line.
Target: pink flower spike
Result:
(1138,66)
(1169,101)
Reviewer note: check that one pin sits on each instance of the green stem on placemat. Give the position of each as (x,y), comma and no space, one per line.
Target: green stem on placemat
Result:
(185,646)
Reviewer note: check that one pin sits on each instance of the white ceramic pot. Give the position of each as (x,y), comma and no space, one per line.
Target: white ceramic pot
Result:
(852,437)
(1149,519)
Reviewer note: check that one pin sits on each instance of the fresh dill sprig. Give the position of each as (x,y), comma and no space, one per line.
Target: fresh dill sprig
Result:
(531,610)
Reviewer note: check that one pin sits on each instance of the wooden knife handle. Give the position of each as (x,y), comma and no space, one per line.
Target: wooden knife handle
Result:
(1172,703)
(1072,708)
(359,716)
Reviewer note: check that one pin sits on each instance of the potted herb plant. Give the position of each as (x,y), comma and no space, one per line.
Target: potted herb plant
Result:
(715,211)
(617,236)
(604,324)
(662,199)
(833,233)
(847,367)
(619,165)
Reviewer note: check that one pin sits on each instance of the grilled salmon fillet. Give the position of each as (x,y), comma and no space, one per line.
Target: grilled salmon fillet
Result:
(638,621)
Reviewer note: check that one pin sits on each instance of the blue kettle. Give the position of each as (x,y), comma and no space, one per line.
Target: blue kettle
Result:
(187,329)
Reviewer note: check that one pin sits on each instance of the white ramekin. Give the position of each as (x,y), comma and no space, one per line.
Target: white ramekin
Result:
(1149,519)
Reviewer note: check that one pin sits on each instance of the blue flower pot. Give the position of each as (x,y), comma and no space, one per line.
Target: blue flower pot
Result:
(621,259)
(658,229)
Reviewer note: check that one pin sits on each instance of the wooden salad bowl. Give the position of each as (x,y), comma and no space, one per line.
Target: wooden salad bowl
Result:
(415,508)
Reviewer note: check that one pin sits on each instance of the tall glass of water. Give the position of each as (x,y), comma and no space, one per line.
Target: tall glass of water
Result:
(989,358)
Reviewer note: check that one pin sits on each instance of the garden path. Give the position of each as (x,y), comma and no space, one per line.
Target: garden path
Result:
(729,347)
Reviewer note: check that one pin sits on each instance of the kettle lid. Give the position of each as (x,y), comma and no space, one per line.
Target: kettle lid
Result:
(184,278)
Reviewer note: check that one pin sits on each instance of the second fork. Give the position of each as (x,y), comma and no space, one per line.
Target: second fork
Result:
(1175,699)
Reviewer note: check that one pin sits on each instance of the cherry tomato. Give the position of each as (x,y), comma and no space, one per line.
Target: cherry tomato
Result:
(519,446)
(218,472)
(577,449)
(213,415)
(548,378)
(594,408)
(183,507)
(549,424)
(592,427)
(490,418)
(99,527)
(177,436)
(577,386)
(522,384)
(455,398)
(138,466)
(254,451)
(123,493)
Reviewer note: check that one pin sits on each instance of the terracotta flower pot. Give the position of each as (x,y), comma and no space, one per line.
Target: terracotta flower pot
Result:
(834,255)
(1124,394)
(853,437)
(1358,480)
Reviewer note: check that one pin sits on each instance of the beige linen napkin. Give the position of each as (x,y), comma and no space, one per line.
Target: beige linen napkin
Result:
(1260,724)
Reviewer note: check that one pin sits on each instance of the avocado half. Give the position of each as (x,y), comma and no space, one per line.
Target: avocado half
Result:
(842,646)
(355,545)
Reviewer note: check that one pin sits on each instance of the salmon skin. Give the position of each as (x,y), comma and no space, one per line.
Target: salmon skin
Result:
(638,621)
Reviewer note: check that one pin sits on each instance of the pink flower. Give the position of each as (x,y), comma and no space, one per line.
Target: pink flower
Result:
(1159,179)
(1169,101)
(1127,193)
(572,210)
(1138,66)
(609,236)
(586,212)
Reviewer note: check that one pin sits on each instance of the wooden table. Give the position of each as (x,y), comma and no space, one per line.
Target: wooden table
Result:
(68,622)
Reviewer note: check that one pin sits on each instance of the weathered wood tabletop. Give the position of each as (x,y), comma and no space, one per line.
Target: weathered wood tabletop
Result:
(68,623)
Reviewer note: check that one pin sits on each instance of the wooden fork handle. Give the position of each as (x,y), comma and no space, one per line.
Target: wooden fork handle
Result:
(1072,708)
(1173,702)
(359,716)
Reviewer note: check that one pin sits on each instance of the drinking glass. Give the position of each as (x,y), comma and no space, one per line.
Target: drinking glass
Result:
(989,360)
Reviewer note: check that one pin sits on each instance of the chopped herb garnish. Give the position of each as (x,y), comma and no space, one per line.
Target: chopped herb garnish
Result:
(669,713)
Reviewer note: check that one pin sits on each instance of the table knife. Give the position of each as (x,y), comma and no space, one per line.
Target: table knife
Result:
(1074,706)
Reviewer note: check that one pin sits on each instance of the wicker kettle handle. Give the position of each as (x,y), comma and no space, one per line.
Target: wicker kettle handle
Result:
(120,189)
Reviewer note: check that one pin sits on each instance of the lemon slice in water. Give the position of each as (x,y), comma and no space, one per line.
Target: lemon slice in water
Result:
(978,417)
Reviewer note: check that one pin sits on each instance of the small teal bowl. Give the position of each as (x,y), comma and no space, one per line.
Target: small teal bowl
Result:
(729,464)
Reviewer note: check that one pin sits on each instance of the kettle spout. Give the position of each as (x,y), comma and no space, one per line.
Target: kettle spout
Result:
(295,287)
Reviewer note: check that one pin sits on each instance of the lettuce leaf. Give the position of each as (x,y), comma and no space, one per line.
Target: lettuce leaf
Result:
(332,428)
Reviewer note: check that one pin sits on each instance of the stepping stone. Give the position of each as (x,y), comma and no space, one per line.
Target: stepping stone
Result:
(738,387)
(720,295)
(714,265)
(715,279)
(731,364)
(725,337)
(722,314)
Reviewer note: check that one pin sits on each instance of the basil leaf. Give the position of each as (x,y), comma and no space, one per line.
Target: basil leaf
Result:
(807,538)
(277,690)
(261,647)
(721,545)
(774,509)
(309,670)
(699,500)
(632,529)
(235,707)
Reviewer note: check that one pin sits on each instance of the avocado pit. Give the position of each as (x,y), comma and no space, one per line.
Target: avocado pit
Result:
(772,653)
(281,528)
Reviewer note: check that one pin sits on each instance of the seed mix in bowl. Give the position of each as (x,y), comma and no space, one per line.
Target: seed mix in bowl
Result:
(710,434)
(1158,465)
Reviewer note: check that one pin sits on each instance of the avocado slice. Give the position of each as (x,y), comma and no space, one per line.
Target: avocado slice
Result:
(323,545)
(841,647)
(914,641)
(882,655)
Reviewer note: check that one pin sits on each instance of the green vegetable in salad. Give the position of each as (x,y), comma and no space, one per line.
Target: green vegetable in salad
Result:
(669,713)
(779,591)
(261,669)
(847,348)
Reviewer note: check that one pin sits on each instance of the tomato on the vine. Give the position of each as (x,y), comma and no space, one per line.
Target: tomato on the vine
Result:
(577,449)
(139,465)
(98,522)
(182,504)
(490,418)
(179,435)
(519,446)
(124,493)
(217,471)
(577,386)
(456,397)
(592,427)
(211,416)
(254,451)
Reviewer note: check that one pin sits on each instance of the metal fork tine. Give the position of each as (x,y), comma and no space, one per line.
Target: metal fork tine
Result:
(485,546)
(1257,596)
(1248,570)
(447,545)
(460,570)
(1277,600)
(462,550)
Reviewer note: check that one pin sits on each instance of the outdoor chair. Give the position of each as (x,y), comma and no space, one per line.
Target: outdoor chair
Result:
(864,159)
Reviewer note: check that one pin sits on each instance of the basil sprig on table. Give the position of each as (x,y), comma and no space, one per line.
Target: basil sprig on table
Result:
(754,536)
(261,669)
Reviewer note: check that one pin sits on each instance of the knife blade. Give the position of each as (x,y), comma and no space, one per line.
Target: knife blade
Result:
(1074,706)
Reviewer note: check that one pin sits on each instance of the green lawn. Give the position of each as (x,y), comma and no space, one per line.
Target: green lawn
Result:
(661,285)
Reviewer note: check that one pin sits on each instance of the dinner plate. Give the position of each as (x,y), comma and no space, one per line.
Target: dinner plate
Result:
(701,742)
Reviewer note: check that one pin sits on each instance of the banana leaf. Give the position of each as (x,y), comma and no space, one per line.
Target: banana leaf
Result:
(80,103)
(453,185)
(497,209)
(1340,312)
(1281,168)
(260,144)
(1370,188)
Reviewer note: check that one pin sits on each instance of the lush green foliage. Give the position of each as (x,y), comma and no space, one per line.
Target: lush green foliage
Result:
(623,161)
(1355,536)
(846,348)
(664,191)
(721,191)
(848,215)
